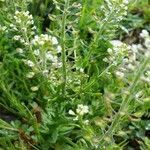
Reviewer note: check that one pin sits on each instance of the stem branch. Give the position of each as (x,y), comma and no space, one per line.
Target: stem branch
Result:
(64,71)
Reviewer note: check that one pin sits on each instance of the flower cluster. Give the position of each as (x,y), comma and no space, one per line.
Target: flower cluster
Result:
(45,39)
(41,50)
(129,56)
(46,50)
(46,67)
(80,111)
(23,27)
(19,16)
(34,88)
(23,21)
(112,12)
(119,7)
(30,75)
(146,37)
(117,52)
(139,51)
(145,49)
(29,63)
(127,63)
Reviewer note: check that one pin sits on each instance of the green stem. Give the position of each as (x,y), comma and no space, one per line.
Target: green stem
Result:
(64,71)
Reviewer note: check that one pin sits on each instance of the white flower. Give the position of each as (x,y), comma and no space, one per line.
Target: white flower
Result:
(49,56)
(147,43)
(71,112)
(19,50)
(17,37)
(31,22)
(12,25)
(41,43)
(17,12)
(139,94)
(18,20)
(59,49)
(144,34)
(54,41)
(131,67)
(116,43)
(57,64)
(32,33)
(45,72)
(15,29)
(81,70)
(109,50)
(52,58)
(140,47)
(86,122)
(26,44)
(36,52)
(29,63)
(45,37)
(134,47)
(34,88)
(36,37)
(125,1)
(22,40)
(119,74)
(82,109)
(15,17)
(26,13)
(30,17)
(30,75)
(34,28)
(3,28)
(105,59)
(148,73)
(22,17)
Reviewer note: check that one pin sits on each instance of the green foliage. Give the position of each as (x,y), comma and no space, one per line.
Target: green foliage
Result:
(65,83)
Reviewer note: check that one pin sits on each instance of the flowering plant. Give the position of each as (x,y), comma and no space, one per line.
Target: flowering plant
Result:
(67,81)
